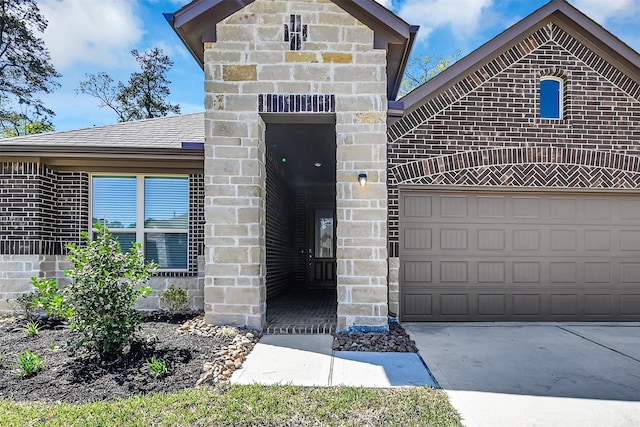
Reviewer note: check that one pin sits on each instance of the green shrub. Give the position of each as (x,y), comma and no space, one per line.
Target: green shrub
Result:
(174,299)
(31,329)
(28,364)
(25,304)
(105,283)
(157,367)
(49,298)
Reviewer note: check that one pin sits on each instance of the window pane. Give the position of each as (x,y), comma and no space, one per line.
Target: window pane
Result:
(114,201)
(167,249)
(166,203)
(126,240)
(324,233)
(549,99)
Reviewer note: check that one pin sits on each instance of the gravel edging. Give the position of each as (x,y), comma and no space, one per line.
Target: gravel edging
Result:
(228,358)
(397,340)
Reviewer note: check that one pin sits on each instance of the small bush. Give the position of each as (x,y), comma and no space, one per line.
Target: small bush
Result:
(157,367)
(26,305)
(49,298)
(31,329)
(105,283)
(28,364)
(3,357)
(174,299)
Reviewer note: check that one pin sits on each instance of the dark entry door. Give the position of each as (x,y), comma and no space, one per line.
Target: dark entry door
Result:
(321,247)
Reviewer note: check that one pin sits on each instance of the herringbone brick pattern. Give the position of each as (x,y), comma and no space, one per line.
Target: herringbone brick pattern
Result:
(536,175)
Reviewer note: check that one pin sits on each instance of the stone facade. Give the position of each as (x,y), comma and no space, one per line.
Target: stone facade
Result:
(485,130)
(17,270)
(337,61)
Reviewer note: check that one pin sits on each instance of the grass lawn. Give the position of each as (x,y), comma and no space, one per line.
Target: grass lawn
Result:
(247,406)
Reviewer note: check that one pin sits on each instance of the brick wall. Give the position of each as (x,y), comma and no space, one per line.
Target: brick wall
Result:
(43,210)
(72,212)
(25,220)
(279,201)
(485,130)
(196,223)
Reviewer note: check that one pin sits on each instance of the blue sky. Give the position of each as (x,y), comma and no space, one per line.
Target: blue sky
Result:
(89,36)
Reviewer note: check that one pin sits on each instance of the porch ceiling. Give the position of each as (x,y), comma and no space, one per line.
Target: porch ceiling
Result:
(303,145)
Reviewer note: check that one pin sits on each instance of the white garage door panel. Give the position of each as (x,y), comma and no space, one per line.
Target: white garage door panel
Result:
(520,256)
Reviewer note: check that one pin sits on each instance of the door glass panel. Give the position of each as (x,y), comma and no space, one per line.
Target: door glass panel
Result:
(323,228)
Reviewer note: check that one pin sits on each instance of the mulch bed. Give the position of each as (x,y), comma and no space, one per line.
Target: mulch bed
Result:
(196,354)
(83,378)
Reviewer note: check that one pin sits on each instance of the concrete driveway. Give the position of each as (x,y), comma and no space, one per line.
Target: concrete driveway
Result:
(504,374)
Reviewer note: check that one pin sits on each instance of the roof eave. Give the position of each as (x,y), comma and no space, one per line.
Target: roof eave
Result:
(171,19)
(395,88)
(74,151)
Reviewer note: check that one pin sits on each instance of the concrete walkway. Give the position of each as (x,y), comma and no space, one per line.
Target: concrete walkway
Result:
(307,360)
(536,374)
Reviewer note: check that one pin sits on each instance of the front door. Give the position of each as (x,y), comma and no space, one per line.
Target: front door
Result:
(321,247)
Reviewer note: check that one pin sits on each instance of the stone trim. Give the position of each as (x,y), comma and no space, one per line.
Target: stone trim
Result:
(296,103)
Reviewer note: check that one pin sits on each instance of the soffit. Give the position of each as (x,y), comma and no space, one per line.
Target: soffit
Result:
(102,159)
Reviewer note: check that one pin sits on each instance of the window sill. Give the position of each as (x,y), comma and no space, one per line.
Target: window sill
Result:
(175,273)
(560,123)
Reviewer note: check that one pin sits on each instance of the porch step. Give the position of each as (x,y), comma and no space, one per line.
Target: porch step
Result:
(280,329)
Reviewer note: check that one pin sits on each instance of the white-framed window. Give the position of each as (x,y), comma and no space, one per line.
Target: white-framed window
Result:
(551,94)
(150,209)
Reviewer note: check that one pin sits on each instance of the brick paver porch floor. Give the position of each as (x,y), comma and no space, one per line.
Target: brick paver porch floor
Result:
(308,312)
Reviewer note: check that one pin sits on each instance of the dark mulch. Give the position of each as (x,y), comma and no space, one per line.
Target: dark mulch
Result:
(82,378)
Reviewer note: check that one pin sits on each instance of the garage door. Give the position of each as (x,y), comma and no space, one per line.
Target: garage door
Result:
(478,256)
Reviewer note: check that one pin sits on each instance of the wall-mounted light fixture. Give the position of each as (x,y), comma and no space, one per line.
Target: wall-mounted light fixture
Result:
(362,179)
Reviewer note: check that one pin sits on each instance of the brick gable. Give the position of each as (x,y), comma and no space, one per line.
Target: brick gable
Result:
(484,130)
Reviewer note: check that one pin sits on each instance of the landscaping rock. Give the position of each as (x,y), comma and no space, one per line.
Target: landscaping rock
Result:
(397,340)
(228,358)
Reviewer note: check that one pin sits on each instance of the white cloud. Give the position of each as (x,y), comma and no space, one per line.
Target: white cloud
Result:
(90,31)
(463,16)
(175,2)
(599,12)
(386,3)
(175,51)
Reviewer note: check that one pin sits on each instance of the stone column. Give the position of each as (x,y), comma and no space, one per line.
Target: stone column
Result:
(235,174)
(362,213)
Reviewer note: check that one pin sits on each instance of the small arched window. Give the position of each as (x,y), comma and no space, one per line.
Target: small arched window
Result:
(550,98)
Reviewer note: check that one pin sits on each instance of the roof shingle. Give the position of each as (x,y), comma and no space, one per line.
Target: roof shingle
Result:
(161,132)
